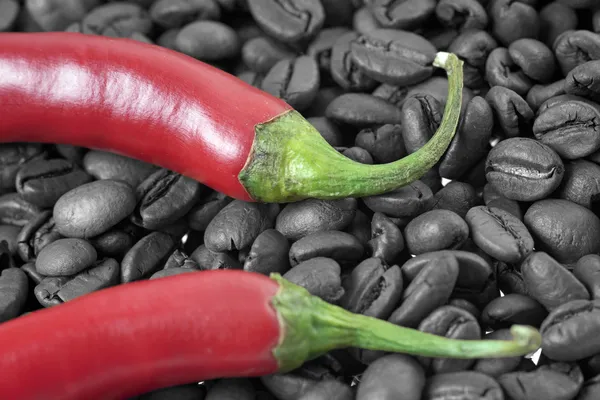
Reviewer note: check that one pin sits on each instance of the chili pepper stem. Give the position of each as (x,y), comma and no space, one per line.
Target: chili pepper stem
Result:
(290,160)
(312,327)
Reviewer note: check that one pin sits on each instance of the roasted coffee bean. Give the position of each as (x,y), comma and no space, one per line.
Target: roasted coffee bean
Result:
(12,157)
(495,367)
(583,81)
(191,391)
(294,80)
(570,332)
(174,14)
(13,293)
(571,128)
(512,20)
(163,198)
(575,47)
(329,389)
(549,282)
(45,291)
(590,389)
(65,257)
(320,276)
(113,243)
(179,259)
(208,41)
(587,270)
(384,143)
(473,47)
(146,257)
(302,218)
(470,385)
(395,57)
(435,230)
(289,21)
(430,289)
(511,309)
(539,94)
(363,20)
(34,236)
(344,70)
(42,182)
(118,19)
(10,234)
(262,53)
(458,197)
(362,110)
(287,386)
(406,202)
(208,207)
(372,289)
(421,117)
(56,15)
(339,246)
(386,241)
(93,208)
(14,210)
(269,253)
(581,183)
(321,48)
(467,306)
(437,87)
(329,130)
(511,112)
(106,165)
(501,70)
(441,38)
(392,94)
(31,272)
(9,10)
(401,14)
(534,58)
(237,225)
(394,376)
(209,260)
(104,274)
(360,227)
(524,169)
(556,18)
(499,233)
(565,230)
(510,280)
(461,14)
(172,272)
(359,154)
(322,99)
(556,381)
(454,323)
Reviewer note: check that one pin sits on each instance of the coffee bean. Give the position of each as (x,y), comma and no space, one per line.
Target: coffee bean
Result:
(495,367)
(539,94)
(113,243)
(322,46)
(461,14)
(329,390)
(42,182)
(421,117)
(565,230)
(362,110)
(209,260)
(208,207)
(294,80)
(581,183)
(511,112)
(587,270)
(174,14)
(302,218)
(463,385)
(14,210)
(549,282)
(12,157)
(118,19)
(9,11)
(408,201)
(501,70)
(386,241)
(405,14)
(590,389)
(513,308)
(339,246)
(172,272)
(38,233)
(534,58)
(513,20)
(435,230)
(320,276)
(391,377)
(458,197)
(146,257)
(510,280)
(556,381)
(288,386)
(582,81)
(56,15)
(269,253)
(93,208)
(575,47)
(556,18)
(524,169)
(106,165)
(384,143)
(65,257)
(395,57)
(467,306)
(344,70)
(473,47)
(13,293)
(9,234)
(499,233)
(570,128)
(260,54)
(430,289)
(208,41)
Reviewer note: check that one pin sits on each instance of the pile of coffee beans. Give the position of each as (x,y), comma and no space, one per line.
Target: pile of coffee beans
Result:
(504,230)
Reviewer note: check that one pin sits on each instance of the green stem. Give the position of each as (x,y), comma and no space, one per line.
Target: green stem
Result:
(312,327)
(291,161)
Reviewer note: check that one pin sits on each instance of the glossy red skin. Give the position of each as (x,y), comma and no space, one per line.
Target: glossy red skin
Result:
(131,98)
(133,338)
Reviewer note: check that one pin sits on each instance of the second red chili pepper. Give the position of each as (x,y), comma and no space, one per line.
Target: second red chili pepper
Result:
(135,338)
(166,108)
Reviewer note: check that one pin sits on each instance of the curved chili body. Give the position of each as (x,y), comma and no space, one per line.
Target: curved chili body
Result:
(128,97)
(133,338)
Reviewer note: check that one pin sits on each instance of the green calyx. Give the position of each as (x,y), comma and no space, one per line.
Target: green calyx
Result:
(312,327)
(291,161)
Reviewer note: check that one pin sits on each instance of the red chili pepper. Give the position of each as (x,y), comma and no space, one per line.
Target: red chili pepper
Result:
(166,108)
(134,338)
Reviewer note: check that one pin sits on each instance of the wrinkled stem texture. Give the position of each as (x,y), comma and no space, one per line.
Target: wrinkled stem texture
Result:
(312,327)
(291,161)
